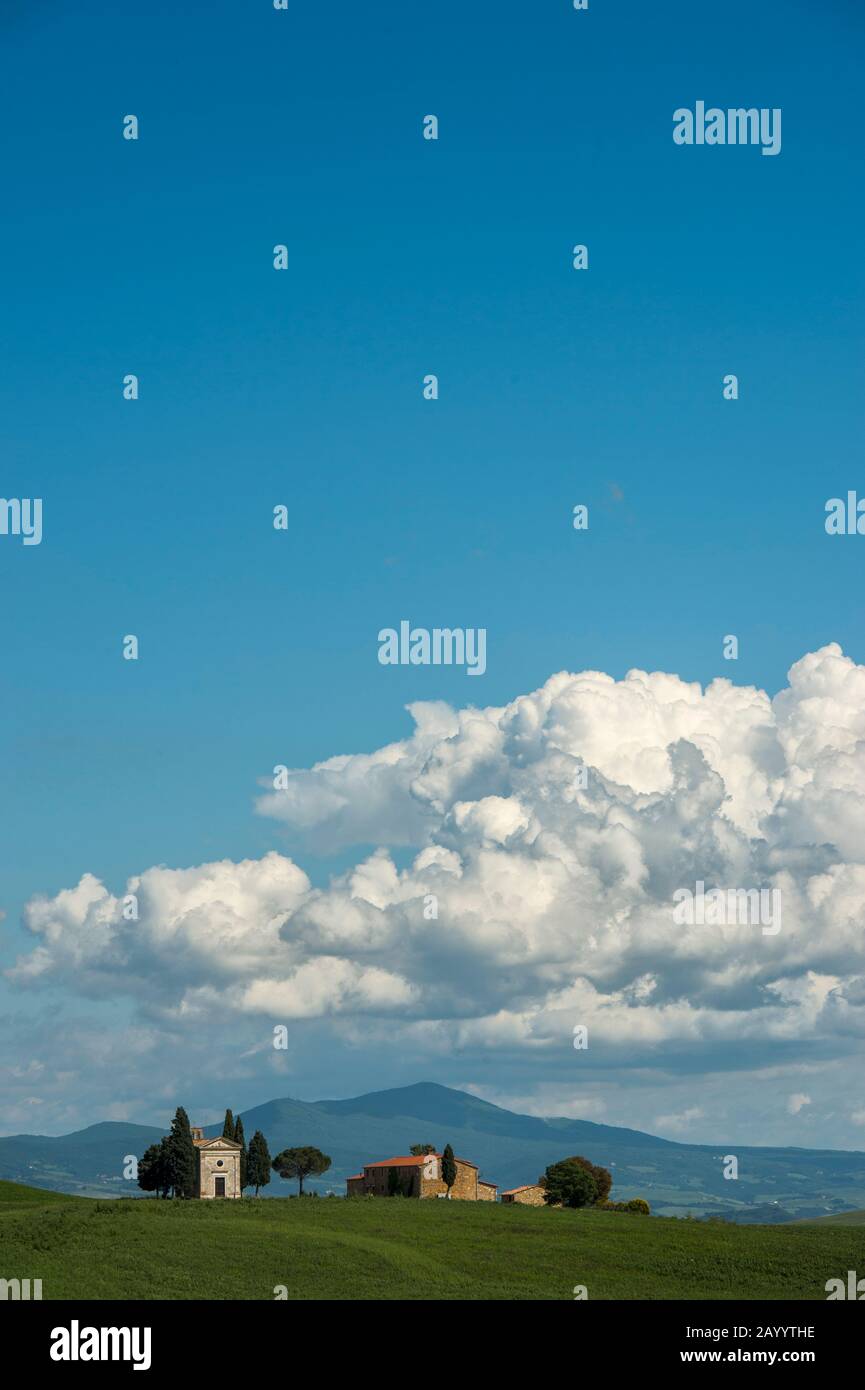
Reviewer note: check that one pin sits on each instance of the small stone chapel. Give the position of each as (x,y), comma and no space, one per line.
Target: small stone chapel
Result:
(218,1166)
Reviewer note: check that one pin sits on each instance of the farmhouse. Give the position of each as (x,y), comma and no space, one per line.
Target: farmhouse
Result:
(411,1175)
(531,1195)
(218,1166)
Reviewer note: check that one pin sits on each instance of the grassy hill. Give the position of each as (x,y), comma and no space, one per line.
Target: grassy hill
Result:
(396,1249)
(841,1218)
(15,1194)
(774,1185)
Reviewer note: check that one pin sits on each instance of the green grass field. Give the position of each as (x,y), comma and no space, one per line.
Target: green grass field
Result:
(396,1249)
(15,1194)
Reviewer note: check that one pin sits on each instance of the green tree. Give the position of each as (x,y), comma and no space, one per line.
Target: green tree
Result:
(152,1169)
(420,1149)
(244,1156)
(182,1157)
(569,1183)
(164,1166)
(300,1163)
(449,1168)
(602,1176)
(258,1162)
(228,1127)
(394,1186)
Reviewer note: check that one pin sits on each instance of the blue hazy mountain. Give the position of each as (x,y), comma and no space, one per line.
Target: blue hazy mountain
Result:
(773,1183)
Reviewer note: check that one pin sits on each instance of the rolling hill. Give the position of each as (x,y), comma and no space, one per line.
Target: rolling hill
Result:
(402,1250)
(842,1218)
(88,1162)
(774,1184)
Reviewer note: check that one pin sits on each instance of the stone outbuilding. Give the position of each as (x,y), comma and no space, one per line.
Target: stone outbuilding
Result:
(218,1166)
(419,1176)
(531,1195)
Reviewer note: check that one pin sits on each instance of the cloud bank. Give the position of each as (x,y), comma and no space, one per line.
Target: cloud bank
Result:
(540,845)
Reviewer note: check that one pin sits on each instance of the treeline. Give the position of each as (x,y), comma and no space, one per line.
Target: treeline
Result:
(171,1167)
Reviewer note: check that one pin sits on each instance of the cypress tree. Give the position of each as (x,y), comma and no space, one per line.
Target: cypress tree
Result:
(244,1155)
(449,1168)
(182,1156)
(228,1127)
(164,1167)
(258,1162)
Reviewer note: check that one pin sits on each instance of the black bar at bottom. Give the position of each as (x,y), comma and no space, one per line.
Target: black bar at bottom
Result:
(215,1339)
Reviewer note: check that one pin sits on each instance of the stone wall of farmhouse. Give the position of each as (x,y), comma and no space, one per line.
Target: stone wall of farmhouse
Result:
(530,1197)
(377,1181)
(416,1180)
(465,1189)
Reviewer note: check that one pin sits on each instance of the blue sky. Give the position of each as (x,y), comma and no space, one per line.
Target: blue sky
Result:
(405,257)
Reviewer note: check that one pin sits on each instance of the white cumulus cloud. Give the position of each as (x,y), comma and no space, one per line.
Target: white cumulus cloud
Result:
(553,901)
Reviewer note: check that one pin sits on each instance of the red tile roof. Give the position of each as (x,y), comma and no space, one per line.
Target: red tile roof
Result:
(405,1160)
(526,1187)
(408,1161)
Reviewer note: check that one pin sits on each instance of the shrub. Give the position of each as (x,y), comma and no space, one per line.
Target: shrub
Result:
(637,1206)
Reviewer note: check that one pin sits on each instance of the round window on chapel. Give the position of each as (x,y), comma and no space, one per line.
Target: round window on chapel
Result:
(219,1163)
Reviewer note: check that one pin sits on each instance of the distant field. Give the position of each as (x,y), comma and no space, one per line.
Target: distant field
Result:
(843,1218)
(396,1249)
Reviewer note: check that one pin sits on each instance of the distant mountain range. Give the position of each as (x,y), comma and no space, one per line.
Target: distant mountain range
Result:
(773,1184)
